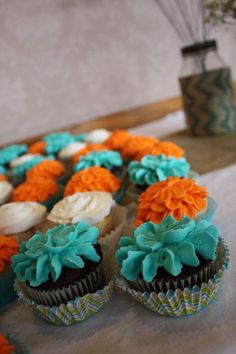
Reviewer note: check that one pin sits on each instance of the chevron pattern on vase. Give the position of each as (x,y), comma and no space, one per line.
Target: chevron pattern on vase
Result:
(208,100)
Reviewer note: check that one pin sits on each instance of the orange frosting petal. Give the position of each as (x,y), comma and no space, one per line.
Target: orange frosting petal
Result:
(117,139)
(37,148)
(3,178)
(92,179)
(87,150)
(36,189)
(162,147)
(8,247)
(46,169)
(5,346)
(174,196)
(136,144)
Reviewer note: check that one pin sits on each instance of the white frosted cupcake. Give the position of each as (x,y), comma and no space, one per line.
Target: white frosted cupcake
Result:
(97,136)
(5,191)
(22,159)
(21,219)
(70,150)
(91,207)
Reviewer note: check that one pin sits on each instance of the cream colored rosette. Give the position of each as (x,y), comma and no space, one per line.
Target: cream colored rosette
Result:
(21,219)
(5,191)
(22,159)
(70,150)
(97,136)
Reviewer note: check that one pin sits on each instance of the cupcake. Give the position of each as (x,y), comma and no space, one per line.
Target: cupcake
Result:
(89,148)
(21,165)
(5,191)
(21,219)
(38,147)
(136,144)
(166,148)
(57,141)
(97,136)
(60,273)
(5,346)
(10,344)
(174,196)
(117,139)
(173,262)
(66,154)
(8,247)
(93,179)
(11,152)
(48,169)
(39,189)
(91,207)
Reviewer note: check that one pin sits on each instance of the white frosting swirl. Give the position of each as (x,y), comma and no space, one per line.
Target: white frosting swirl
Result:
(97,136)
(70,150)
(91,207)
(5,191)
(22,159)
(20,216)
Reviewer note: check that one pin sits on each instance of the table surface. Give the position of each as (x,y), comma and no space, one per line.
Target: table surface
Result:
(125,326)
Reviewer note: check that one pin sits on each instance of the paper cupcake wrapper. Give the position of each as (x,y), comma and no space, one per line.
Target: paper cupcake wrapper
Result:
(25,235)
(179,302)
(74,311)
(20,347)
(209,212)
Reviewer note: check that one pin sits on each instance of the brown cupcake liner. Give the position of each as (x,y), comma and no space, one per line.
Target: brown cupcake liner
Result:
(25,235)
(54,297)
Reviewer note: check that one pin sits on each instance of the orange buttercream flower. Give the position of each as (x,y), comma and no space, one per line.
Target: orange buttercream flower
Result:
(46,169)
(5,346)
(35,190)
(87,150)
(163,147)
(92,179)
(117,139)
(38,147)
(174,196)
(137,144)
(3,178)
(8,247)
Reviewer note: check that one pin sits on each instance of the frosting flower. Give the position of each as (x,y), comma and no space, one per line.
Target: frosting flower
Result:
(8,247)
(11,152)
(174,196)
(107,159)
(46,169)
(5,346)
(20,170)
(92,179)
(47,253)
(152,169)
(162,147)
(35,190)
(87,150)
(117,139)
(170,244)
(97,136)
(136,144)
(57,141)
(38,147)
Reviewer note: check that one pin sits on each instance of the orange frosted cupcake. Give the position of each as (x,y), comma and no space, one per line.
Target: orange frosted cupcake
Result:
(163,147)
(175,196)
(38,147)
(117,139)
(5,346)
(92,179)
(51,169)
(137,144)
(42,190)
(89,148)
(3,178)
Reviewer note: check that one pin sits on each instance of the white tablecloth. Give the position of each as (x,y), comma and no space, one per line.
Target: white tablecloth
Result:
(125,326)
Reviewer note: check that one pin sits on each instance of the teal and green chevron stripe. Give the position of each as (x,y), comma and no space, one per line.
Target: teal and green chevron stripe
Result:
(74,311)
(208,100)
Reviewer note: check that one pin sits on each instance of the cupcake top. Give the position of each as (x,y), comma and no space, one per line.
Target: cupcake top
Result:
(91,207)
(8,247)
(10,152)
(107,159)
(38,147)
(89,148)
(162,147)
(136,144)
(152,169)
(21,168)
(70,150)
(22,159)
(174,196)
(97,136)
(117,139)
(36,189)
(45,254)
(92,179)
(5,191)
(57,141)
(5,346)
(19,217)
(51,169)
(169,245)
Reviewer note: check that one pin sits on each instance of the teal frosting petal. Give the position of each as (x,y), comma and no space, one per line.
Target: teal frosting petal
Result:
(152,169)
(11,152)
(47,253)
(107,159)
(169,244)
(57,141)
(79,137)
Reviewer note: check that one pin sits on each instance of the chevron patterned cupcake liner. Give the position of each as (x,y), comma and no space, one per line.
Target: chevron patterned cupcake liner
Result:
(72,312)
(179,302)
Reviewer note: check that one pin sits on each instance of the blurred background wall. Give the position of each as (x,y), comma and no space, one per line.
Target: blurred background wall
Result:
(65,61)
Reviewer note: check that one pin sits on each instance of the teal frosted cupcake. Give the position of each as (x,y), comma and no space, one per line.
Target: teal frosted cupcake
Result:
(11,152)
(174,267)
